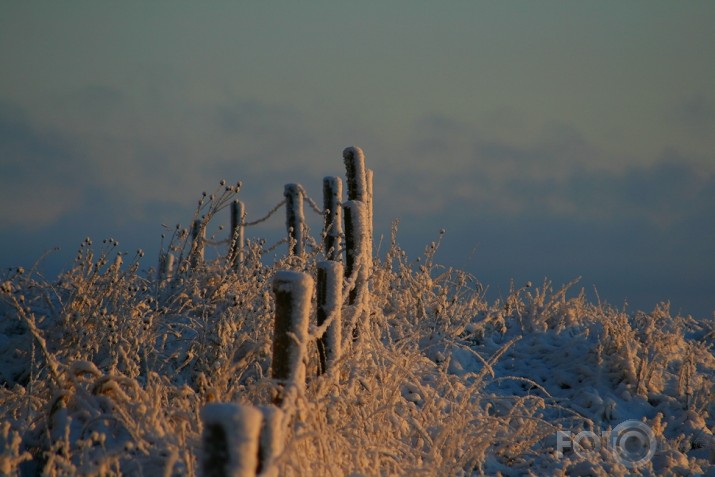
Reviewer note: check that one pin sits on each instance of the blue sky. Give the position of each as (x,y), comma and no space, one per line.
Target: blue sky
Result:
(550,139)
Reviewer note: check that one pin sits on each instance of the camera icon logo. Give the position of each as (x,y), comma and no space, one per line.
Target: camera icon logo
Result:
(632,443)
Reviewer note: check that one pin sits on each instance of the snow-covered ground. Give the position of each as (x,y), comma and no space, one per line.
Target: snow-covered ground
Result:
(106,370)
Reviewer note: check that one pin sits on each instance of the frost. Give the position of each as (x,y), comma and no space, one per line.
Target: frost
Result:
(273,438)
(295,216)
(10,456)
(121,372)
(354,160)
(329,317)
(332,198)
(294,291)
(358,229)
(84,367)
(230,439)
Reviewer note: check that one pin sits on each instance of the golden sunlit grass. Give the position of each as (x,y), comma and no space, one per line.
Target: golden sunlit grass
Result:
(106,369)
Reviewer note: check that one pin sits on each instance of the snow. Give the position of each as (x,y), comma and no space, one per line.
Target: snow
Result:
(166,266)
(443,382)
(333,290)
(272,439)
(237,427)
(331,299)
(295,216)
(354,159)
(293,290)
(369,199)
(332,195)
(358,240)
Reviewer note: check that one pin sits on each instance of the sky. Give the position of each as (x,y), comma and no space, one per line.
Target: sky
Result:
(549,139)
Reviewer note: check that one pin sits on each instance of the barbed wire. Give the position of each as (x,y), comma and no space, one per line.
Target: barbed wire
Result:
(313,205)
(275,246)
(216,242)
(263,219)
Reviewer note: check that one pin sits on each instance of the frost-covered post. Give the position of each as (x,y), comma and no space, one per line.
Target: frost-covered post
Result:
(295,219)
(293,291)
(359,180)
(272,440)
(355,215)
(230,440)
(332,196)
(368,203)
(238,213)
(198,236)
(357,262)
(355,171)
(330,298)
(166,267)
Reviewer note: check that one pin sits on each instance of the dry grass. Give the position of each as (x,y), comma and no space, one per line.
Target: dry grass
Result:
(106,369)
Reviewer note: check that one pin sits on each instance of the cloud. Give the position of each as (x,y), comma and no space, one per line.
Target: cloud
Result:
(98,151)
(43,172)
(641,232)
(438,135)
(696,114)
(264,137)
(453,163)
(559,173)
(667,191)
(95,100)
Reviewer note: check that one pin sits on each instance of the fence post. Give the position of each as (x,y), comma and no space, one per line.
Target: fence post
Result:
(293,292)
(355,243)
(295,219)
(355,171)
(230,440)
(359,180)
(332,196)
(238,213)
(330,298)
(198,235)
(369,212)
(166,267)
(271,444)
(356,256)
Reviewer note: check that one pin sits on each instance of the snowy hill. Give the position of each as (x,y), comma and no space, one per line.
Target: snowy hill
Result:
(105,371)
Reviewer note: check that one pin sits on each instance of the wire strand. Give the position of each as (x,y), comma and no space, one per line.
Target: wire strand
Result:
(273,211)
(313,205)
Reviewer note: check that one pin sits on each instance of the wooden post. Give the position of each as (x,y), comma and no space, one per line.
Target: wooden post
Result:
(198,235)
(330,298)
(272,435)
(369,212)
(355,238)
(238,213)
(230,440)
(293,292)
(355,215)
(360,181)
(166,267)
(355,171)
(295,219)
(332,196)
